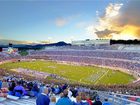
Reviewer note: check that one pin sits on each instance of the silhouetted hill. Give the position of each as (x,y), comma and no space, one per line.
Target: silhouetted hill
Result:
(59,44)
(36,46)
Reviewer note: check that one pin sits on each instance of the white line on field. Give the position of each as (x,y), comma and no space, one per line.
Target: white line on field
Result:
(101,77)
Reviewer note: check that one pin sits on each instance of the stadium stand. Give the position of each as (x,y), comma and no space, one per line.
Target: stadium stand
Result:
(73,93)
(128,60)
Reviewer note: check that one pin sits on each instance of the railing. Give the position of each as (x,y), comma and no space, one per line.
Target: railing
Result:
(118,99)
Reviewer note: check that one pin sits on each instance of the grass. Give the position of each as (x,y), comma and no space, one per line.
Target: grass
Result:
(75,73)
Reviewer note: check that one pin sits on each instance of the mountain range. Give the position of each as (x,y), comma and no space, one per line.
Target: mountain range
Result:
(30,45)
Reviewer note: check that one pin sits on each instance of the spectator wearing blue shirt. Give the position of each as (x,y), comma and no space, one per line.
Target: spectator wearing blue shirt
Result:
(65,99)
(97,101)
(35,90)
(106,102)
(43,98)
(19,90)
(0,84)
(84,99)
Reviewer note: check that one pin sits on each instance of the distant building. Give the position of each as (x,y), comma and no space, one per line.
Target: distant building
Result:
(89,42)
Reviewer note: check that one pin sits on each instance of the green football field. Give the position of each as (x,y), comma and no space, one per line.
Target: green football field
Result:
(75,73)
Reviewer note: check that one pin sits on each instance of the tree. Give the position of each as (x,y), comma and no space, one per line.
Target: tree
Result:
(23,52)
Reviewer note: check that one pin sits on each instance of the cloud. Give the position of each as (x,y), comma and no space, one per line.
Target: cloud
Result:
(82,24)
(90,30)
(130,15)
(97,13)
(105,29)
(119,21)
(105,33)
(60,22)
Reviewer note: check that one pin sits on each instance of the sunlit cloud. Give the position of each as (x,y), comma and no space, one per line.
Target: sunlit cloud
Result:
(119,21)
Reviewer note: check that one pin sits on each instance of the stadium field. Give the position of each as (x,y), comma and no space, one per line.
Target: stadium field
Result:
(75,73)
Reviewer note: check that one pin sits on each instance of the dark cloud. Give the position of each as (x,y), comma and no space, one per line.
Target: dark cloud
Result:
(105,33)
(130,13)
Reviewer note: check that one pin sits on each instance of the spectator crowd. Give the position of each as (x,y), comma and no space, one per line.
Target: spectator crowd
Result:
(64,94)
(130,61)
(48,94)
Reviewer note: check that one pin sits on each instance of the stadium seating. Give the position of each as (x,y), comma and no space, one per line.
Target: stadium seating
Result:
(110,58)
(118,59)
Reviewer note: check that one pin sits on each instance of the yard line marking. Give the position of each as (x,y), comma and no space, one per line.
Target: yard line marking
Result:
(101,77)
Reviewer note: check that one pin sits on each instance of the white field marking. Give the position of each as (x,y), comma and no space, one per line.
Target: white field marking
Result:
(101,77)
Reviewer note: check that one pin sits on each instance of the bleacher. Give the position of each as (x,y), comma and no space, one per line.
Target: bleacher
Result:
(30,101)
(113,98)
(132,48)
(120,99)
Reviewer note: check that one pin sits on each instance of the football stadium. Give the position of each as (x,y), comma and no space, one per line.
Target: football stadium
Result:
(70,52)
(111,73)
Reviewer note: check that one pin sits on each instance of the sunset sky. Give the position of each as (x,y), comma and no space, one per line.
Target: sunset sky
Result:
(57,20)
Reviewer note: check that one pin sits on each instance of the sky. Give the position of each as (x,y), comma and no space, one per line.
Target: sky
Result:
(64,20)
